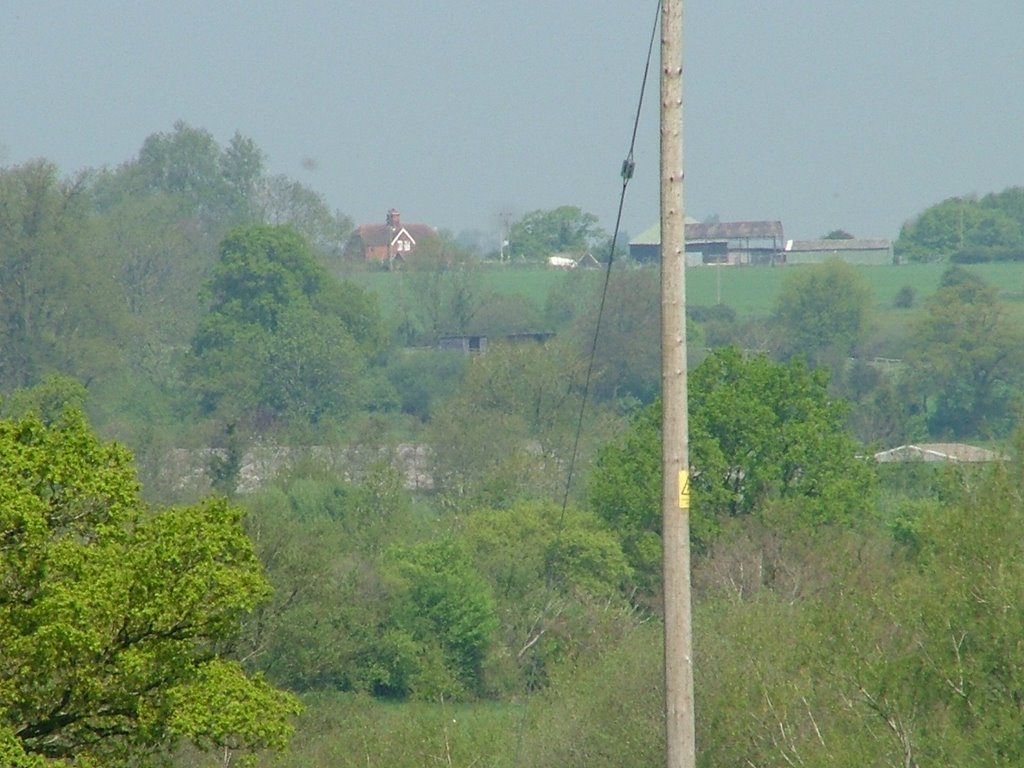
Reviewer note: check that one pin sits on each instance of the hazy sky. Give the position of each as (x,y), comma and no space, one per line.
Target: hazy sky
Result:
(853,115)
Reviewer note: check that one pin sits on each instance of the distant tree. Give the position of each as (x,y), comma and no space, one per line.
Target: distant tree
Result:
(424,379)
(966,358)
(964,226)
(158,262)
(438,302)
(628,353)
(823,311)
(281,337)
(280,200)
(441,291)
(838,234)
(627,363)
(545,566)
(115,618)
(59,308)
(242,165)
(214,186)
(46,400)
(967,284)
(507,432)
(321,537)
(904,298)
(567,229)
(189,162)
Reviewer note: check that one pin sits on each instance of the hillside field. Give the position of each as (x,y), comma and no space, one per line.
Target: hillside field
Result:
(751,291)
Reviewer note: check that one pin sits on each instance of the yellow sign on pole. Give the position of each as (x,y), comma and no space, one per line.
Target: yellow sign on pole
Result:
(684,489)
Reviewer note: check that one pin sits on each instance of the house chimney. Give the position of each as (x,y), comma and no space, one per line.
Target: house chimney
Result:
(394,219)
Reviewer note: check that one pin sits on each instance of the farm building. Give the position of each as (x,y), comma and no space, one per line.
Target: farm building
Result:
(853,251)
(956,453)
(389,242)
(472,344)
(734,242)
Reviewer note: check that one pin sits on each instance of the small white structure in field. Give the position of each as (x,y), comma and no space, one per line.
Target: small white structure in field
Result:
(561,262)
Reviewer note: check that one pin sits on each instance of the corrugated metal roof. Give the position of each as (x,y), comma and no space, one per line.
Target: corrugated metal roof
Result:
(728,230)
(952,452)
(735,230)
(840,245)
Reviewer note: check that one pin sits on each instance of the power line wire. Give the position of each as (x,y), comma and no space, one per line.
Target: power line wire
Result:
(628,166)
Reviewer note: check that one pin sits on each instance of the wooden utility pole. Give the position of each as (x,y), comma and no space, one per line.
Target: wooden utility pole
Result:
(675,527)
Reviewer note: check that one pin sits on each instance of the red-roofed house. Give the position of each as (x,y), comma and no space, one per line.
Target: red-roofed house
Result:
(389,242)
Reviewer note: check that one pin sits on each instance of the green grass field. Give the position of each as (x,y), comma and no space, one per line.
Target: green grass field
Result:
(751,291)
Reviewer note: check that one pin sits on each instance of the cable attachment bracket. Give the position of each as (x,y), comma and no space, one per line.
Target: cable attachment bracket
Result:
(628,166)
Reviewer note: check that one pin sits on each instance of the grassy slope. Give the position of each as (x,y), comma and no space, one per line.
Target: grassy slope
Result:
(751,291)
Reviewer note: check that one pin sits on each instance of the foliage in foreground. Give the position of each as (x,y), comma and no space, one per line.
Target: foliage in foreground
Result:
(759,432)
(114,618)
(836,647)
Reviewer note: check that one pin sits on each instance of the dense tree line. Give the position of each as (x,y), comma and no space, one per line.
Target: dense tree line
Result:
(967,229)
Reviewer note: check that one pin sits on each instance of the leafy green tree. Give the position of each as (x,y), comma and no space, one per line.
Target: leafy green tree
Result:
(551,573)
(934,234)
(625,491)
(508,431)
(838,234)
(965,226)
(441,603)
(965,359)
(282,339)
(59,310)
(627,361)
(314,369)
(321,538)
(114,618)
(759,432)
(187,163)
(823,311)
(281,200)
(47,400)
(565,229)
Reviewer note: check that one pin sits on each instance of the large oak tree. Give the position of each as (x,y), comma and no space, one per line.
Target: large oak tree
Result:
(114,618)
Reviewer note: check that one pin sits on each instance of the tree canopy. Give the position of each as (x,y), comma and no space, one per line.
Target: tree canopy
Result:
(282,338)
(823,311)
(58,306)
(965,359)
(759,431)
(967,229)
(565,229)
(114,618)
